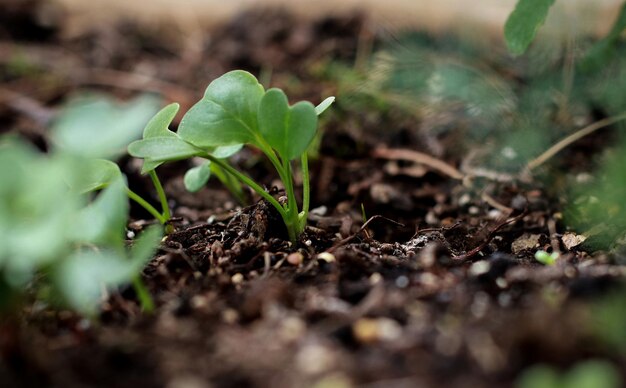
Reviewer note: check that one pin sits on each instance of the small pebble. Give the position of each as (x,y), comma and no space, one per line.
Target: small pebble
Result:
(402,281)
(237,279)
(368,330)
(327,257)
(295,258)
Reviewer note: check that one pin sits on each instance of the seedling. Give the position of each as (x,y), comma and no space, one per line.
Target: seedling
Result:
(47,227)
(235,111)
(94,129)
(546,258)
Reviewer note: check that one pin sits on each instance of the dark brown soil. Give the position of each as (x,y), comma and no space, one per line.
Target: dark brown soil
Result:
(438,289)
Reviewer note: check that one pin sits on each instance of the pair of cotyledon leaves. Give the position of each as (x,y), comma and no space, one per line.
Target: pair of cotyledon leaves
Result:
(234,111)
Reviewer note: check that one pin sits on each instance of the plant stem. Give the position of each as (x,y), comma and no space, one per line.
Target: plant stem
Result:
(143,203)
(293,227)
(558,147)
(161,193)
(145,299)
(306,189)
(231,183)
(248,181)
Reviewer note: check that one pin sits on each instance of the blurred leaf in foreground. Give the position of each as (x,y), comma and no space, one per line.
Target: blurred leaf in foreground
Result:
(98,127)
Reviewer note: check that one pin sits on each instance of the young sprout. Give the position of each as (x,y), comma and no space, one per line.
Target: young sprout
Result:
(235,111)
(546,258)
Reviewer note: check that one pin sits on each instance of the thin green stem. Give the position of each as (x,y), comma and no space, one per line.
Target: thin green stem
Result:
(293,225)
(145,299)
(144,204)
(231,183)
(306,187)
(271,155)
(248,181)
(161,193)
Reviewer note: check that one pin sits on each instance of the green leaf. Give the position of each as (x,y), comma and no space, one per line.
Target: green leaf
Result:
(97,174)
(82,276)
(144,248)
(593,374)
(539,376)
(289,130)
(226,151)
(324,105)
(197,177)
(522,25)
(158,126)
(162,149)
(226,115)
(98,127)
(603,50)
(104,220)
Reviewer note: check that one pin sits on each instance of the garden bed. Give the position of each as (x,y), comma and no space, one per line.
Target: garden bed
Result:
(412,272)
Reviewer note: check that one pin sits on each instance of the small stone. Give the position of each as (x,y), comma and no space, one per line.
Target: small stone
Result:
(479,268)
(295,258)
(525,242)
(327,257)
(375,278)
(237,279)
(315,359)
(230,316)
(368,330)
(402,281)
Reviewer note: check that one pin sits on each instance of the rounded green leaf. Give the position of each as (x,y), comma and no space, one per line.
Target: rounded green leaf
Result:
(289,130)
(197,177)
(226,151)
(96,174)
(226,115)
(162,149)
(99,127)
(104,220)
(522,25)
(158,126)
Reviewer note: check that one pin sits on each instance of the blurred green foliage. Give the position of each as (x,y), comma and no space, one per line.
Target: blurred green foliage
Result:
(55,234)
(588,374)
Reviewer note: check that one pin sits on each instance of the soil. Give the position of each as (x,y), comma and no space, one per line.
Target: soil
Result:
(439,288)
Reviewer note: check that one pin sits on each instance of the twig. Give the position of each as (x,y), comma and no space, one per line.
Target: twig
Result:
(491,201)
(558,147)
(488,238)
(349,238)
(421,158)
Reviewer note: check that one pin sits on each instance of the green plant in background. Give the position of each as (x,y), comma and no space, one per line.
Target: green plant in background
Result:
(522,25)
(608,320)
(529,15)
(48,229)
(236,110)
(96,130)
(588,374)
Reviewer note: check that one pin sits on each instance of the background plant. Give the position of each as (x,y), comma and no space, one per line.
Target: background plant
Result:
(53,236)
(97,130)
